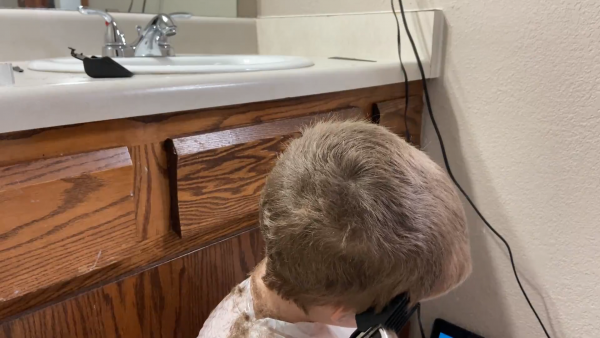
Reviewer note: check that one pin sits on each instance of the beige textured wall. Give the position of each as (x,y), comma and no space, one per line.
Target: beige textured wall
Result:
(519,107)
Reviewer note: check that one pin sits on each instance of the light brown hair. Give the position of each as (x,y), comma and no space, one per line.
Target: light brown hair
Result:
(352,216)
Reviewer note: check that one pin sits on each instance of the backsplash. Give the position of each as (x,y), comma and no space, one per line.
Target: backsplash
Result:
(369,36)
(35,34)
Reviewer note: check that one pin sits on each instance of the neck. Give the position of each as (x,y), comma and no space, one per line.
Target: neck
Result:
(268,304)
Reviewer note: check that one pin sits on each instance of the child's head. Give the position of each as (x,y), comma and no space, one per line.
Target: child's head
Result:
(353,216)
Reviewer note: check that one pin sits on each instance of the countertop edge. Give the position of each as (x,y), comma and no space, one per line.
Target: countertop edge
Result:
(44,106)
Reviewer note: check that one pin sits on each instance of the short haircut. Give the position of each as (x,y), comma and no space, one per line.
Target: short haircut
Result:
(352,215)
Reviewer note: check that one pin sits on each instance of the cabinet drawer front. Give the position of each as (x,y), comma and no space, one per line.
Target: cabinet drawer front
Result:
(63,217)
(216,178)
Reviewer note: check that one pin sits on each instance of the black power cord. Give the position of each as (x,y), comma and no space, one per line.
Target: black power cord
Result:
(419,320)
(406,97)
(449,170)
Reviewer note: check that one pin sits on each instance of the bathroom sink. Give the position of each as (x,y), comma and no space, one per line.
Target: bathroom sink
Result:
(185,64)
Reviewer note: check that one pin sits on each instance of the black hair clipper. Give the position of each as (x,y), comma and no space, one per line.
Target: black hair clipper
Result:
(100,68)
(393,317)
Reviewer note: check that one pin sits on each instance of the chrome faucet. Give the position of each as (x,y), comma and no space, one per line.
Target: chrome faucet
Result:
(151,41)
(114,41)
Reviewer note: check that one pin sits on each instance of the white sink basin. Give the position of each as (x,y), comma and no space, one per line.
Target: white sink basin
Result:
(186,64)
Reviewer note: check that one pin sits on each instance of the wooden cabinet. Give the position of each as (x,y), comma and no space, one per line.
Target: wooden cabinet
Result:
(139,227)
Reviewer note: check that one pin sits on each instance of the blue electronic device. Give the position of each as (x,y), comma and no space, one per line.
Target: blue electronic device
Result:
(443,329)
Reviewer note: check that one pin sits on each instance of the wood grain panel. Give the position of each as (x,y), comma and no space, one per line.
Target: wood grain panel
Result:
(391,115)
(62,218)
(170,300)
(151,190)
(216,178)
(52,142)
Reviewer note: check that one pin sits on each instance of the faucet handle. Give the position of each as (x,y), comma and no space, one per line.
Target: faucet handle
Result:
(114,40)
(88,11)
(165,23)
(113,34)
(153,40)
(180,15)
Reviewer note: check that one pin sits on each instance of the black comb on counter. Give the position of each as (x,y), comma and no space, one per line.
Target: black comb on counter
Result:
(100,68)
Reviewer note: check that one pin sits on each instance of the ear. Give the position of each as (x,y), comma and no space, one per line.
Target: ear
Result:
(343,317)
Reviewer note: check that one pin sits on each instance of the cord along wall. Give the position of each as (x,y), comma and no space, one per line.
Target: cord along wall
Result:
(518,107)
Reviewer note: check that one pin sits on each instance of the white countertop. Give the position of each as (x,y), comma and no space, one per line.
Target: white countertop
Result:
(43,99)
